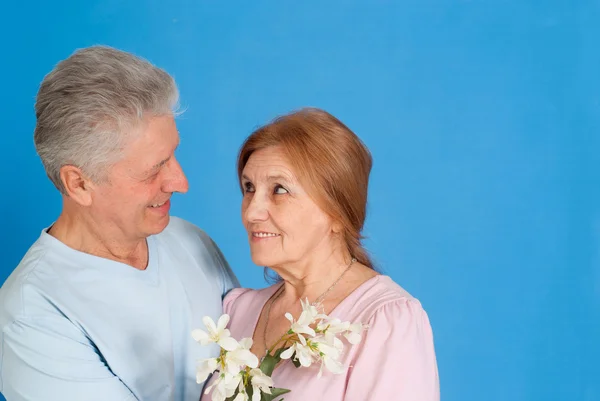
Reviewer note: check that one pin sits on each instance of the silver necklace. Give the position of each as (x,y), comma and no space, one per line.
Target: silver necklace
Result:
(319,299)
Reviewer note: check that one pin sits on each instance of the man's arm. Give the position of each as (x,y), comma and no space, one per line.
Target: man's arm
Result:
(49,358)
(230,281)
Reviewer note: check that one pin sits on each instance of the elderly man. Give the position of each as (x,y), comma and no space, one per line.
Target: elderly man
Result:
(103,304)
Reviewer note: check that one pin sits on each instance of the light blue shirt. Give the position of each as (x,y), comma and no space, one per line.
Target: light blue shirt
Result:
(84,328)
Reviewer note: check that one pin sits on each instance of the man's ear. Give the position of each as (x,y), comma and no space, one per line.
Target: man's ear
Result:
(77,185)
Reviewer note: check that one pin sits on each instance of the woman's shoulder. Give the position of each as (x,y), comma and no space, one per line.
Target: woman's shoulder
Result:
(232,296)
(381,295)
(244,298)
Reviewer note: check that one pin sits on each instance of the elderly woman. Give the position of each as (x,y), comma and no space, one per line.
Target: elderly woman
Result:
(304,179)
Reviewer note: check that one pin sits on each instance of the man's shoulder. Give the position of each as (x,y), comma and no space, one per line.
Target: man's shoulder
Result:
(28,278)
(180,229)
(181,234)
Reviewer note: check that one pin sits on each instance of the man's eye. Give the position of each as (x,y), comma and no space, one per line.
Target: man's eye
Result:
(152,177)
(248,187)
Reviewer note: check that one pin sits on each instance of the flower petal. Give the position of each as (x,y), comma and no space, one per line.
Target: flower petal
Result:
(305,319)
(298,329)
(228,343)
(320,374)
(222,323)
(357,327)
(210,325)
(334,366)
(260,382)
(329,351)
(353,338)
(205,368)
(230,383)
(201,336)
(287,354)
(247,358)
(246,343)
(305,359)
(241,397)
(232,368)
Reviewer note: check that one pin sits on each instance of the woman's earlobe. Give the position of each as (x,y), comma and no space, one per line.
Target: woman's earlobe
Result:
(336,228)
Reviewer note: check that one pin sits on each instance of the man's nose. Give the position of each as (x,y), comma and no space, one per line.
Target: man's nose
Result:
(176,180)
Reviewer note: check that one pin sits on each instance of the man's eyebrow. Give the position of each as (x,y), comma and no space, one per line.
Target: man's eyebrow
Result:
(160,164)
(163,162)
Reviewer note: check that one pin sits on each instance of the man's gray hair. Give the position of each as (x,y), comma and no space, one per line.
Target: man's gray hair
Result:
(89,102)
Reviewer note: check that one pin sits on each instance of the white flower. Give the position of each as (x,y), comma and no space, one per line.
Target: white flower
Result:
(329,355)
(242,396)
(311,310)
(224,387)
(314,337)
(304,354)
(333,326)
(260,383)
(241,356)
(216,333)
(302,325)
(332,364)
(353,334)
(330,328)
(205,368)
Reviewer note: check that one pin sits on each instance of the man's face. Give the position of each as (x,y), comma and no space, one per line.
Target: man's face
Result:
(136,197)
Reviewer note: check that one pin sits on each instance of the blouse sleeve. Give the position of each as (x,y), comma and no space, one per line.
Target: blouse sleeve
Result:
(231,297)
(396,357)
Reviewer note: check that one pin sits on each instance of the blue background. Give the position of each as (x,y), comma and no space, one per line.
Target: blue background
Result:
(483,118)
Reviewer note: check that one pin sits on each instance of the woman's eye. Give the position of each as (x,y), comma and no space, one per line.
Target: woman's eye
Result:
(279,190)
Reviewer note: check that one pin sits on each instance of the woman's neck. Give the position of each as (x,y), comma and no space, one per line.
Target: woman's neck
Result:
(312,278)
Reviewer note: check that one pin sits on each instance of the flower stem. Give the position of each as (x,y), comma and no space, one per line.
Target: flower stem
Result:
(285,338)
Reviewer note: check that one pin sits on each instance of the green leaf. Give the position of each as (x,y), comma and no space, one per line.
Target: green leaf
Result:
(275,392)
(279,352)
(267,365)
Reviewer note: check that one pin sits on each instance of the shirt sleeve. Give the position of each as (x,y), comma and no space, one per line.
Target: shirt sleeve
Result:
(396,359)
(50,359)
(229,279)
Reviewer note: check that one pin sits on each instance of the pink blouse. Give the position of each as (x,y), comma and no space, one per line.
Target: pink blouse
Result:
(394,361)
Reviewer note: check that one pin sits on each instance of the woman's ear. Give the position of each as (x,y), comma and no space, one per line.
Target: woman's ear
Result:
(337,227)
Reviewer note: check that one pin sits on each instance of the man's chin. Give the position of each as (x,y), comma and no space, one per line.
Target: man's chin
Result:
(159,225)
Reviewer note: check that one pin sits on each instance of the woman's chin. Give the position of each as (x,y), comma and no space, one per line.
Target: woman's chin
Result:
(261,259)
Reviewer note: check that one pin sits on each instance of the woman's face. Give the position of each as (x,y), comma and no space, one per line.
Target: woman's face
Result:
(284,224)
